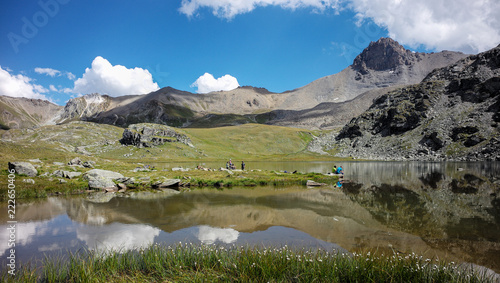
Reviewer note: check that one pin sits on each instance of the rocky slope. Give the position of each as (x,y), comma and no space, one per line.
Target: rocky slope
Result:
(382,64)
(17,112)
(452,114)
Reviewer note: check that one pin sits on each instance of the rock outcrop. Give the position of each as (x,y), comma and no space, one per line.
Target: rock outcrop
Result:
(453,114)
(149,135)
(100,179)
(84,107)
(23,168)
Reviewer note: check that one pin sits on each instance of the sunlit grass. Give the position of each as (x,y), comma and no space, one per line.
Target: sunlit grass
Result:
(209,263)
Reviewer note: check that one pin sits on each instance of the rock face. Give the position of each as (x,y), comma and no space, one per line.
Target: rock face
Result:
(99,179)
(23,168)
(83,108)
(453,114)
(148,135)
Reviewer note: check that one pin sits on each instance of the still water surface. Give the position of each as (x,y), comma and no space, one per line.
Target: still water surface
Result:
(445,210)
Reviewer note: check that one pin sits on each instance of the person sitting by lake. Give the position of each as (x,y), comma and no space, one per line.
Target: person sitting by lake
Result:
(340,170)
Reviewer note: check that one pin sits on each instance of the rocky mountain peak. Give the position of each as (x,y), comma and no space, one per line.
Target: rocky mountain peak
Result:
(84,107)
(383,54)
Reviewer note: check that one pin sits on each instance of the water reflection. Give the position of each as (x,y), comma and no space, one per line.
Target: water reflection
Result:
(210,235)
(435,209)
(117,236)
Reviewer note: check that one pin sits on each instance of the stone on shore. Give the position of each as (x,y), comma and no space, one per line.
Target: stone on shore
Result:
(170,183)
(23,168)
(311,183)
(100,179)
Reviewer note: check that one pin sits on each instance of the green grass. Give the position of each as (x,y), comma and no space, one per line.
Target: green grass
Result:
(192,263)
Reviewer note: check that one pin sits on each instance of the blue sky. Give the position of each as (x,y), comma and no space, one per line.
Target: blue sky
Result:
(59,49)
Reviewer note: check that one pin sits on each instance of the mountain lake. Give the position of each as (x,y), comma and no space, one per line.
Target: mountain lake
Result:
(447,210)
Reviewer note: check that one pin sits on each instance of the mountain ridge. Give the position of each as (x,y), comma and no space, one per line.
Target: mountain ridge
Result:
(383,64)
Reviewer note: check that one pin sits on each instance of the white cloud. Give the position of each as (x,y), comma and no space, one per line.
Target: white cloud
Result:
(117,80)
(228,9)
(468,26)
(207,83)
(20,86)
(53,73)
(463,25)
(48,72)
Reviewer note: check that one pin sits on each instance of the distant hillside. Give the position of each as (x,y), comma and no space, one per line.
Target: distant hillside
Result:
(17,112)
(452,114)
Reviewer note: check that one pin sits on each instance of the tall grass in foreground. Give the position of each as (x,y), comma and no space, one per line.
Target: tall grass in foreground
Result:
(192,263)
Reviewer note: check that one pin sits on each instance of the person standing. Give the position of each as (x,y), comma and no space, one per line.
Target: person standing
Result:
(242,165)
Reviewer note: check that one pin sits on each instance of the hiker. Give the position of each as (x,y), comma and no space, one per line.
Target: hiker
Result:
(334,169)
(340,170)
(227,165)
(242,165)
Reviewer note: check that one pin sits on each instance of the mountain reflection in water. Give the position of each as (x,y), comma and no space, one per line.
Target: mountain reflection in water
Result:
(445,210)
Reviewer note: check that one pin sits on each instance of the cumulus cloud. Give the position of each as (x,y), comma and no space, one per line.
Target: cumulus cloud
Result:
(115,80)
(463,25)
(468,26)
(20,86)
(228,9)
(207,83)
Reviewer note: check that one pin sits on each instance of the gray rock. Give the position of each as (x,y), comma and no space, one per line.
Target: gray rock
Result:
(71,175)
(99,179)
(311,183)
(58,163)
(58,173)
(88,164)
(126,180)
(170,183)
(24,168)
(149,135)
(75,161)
(29,181)
(35,160)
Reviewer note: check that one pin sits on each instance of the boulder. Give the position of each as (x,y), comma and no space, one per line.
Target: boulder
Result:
(150,135)
(24,168)
(71,175)
(88,164)
(311,183)
(66,174)
(99,179)
(170,183)
(75,161)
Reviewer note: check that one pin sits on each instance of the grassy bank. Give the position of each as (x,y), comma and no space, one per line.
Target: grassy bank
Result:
(47,185)
(190,263)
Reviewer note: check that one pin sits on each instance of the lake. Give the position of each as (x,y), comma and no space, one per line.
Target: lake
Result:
(439,210)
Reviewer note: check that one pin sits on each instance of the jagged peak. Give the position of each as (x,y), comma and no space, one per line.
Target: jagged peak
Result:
(383,54)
